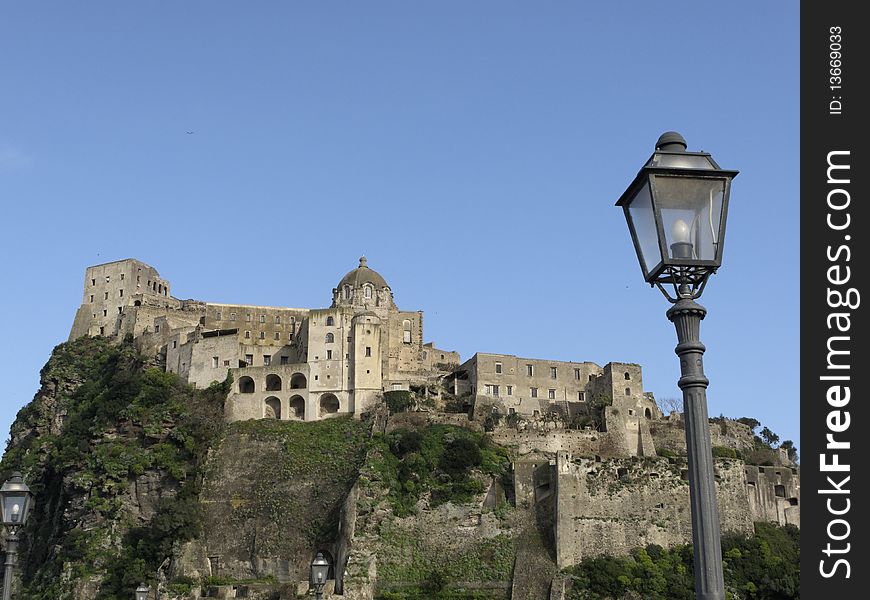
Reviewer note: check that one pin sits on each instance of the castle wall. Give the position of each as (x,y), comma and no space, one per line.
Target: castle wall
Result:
(774,494)
(615,505)
(528,386)
(257,325)
(242,404)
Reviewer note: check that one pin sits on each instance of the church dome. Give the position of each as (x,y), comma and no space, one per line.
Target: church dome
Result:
(362,275)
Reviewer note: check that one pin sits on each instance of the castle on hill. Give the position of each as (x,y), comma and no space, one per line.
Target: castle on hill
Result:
(312,363)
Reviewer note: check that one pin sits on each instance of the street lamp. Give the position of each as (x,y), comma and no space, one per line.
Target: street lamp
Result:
(319,573)
(15,504)
(676,209)
(142,592)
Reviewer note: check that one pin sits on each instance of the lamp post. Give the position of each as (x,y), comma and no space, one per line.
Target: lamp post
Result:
(15,504)
(676,209)
(142,592)
(318,575)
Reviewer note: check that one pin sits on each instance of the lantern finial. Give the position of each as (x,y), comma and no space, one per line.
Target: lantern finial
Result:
(671,141)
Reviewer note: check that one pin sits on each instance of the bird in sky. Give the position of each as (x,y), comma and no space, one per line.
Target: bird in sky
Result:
(189,132)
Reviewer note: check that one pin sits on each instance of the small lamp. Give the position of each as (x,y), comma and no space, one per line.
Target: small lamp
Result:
(142,592)
(319,571)
(15,501)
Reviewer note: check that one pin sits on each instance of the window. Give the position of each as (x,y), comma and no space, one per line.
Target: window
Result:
(277,319)
(498,367)
(232,316)
(368,350)
(510,390)
(396,386)
(406,331)
(347,292)
(247,335)
(92,297)
(581,396)
(122,277)
(488,389)
(329,354)
(577,374)
(495,391)
(628,391)
(157,329)
(551,394)
(277,335)
(107,279)
(590,378)
(120,310)
(552,372)
(330,321)
(262,335)
(93,282)
(121,293)
(105,295)
(217,317)
(249,359)
(530,370)
(627,376)
(533,392)
(285,360)
(330,338)
(248,317)
(105,312)
(262,318)
(102,329)
(267,360)
(368,291)
(174,344)
(202,320)
(512,411)
(226,363)
(214,362)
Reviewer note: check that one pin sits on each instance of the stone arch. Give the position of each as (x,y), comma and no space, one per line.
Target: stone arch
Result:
(330,338)
(273,383)
(328,556)
(647,413)
(406,331)
(628,391)
(246,385)
(329,404)
(272,408)
(330,321)
(296,408)
(298,381)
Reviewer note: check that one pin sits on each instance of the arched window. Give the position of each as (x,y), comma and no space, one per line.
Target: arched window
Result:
(297,408)
(347,292)
(273,383)
(367,291)
(406,331)
(298,381)
(627,376)
(628,391)
(647,413)
(328,404)
(330,321)
(246,385)
(330,338)
(272,408)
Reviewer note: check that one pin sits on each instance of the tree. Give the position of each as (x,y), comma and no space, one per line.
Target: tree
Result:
(769,437)
(670,404)
(749,422)
(789,447)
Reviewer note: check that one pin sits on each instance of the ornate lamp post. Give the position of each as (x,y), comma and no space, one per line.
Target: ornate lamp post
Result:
(676,209)
(319,573)
(15,504)
(142,592)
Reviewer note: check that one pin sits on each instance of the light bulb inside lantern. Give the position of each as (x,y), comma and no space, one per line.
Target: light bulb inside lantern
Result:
(16,510)
(681,247)
(680,231)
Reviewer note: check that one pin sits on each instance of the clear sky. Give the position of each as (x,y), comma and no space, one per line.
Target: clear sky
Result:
(473,151)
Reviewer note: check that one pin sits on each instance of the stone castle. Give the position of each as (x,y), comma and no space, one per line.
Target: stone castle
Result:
(308,364)
(606,488)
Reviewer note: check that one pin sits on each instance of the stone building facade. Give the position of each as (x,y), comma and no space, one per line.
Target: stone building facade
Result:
(287,363)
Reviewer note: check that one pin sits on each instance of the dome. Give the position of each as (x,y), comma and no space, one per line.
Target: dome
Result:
(361,275)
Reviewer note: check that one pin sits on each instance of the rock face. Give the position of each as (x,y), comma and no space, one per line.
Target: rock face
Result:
(138,478)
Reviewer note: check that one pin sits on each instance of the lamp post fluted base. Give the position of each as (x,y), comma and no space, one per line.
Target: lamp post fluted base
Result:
(9,566)
(686,315)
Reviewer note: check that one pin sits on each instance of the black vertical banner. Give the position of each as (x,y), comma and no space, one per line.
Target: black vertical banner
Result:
(835,426)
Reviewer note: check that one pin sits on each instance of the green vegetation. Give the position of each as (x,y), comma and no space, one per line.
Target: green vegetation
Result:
(437,460)
(724,452)
(764,566)
(123,420)
(398,400)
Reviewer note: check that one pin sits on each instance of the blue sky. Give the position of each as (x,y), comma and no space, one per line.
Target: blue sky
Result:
(473,151)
